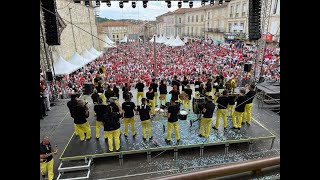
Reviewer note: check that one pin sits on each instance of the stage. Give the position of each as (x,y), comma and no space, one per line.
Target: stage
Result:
(94,148)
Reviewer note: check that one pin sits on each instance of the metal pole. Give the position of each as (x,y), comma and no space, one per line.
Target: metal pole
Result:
(74,40)
(44,46)
(155,58)
(91,27)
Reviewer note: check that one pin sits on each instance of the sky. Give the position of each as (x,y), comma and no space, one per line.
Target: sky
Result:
(150,13)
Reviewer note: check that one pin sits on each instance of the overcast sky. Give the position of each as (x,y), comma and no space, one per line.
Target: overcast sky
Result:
(153,10)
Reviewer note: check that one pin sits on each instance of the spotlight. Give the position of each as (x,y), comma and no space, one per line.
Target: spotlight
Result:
(168,4)
(133,4)
(190,4)
(87,3)
(108,3)
(144,4)
(203,3)
(121,4)
(220,2)
(98,3)
(179,4)
(211,2)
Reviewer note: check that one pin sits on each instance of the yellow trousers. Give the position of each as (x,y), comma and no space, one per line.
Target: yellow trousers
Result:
(47,166)
(230,109)
(174,125)
(165,99)
(208,93)
(146,124)
(118,102)
(156,98)
(128,121)
(213,91)
(84,128)
(99,124)
(205,124)
(151,103)
(139,94)
(113,135)
(247,113)
(223,113)
(185,103)
(76,130)
(236,115)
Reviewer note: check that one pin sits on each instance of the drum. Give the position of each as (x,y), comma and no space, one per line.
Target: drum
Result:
(183,115)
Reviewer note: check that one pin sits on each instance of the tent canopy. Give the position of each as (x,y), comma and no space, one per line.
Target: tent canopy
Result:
(169,41)
(109,41)
(151,40)
(177,42)
(95,52)
(62,67)
(90,57)
(124,40)
(164,39)
(159,40)
(77,60)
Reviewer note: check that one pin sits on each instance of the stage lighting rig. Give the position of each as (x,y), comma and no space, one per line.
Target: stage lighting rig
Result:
(108,3)
(203,3)
(145,4)
(220,2)
(133,4)
(98,3)
(179,4)
(87,3)
(190,4)
(168,4)
(121,4)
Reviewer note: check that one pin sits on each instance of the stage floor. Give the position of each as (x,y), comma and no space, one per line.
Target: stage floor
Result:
(189,138)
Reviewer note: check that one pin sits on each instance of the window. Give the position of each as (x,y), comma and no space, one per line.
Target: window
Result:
(221,25)
(274,11)
(215,24)
(237,10)
(188,31)
(244,9)
(235,27)
(192,19)
(191,31)
(216,13)
(230,25)
(188,18)
(222,12)
(231,11)
(196,18)
(114,36)
(202,17)
(180,20)
(208,15)
(117,36)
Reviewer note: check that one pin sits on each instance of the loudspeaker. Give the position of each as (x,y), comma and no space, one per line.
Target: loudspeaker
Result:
(247,67)
(254,19)
(87,88)
(49,10)
(49,75)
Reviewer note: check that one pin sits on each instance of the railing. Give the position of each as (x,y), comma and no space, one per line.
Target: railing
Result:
(254,165)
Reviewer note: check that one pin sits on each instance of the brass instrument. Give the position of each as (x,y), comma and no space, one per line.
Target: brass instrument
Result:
(231,84)
(102,70)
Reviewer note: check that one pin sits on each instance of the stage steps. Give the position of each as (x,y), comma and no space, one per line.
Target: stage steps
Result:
(75,170)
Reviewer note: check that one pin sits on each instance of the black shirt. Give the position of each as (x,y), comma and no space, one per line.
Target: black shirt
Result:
(241,104)
(250,97)
(108,93)
(208,87)
(149,95)
(80,116)
(46,149)
(100,110)
(111,121)
(174,94)
(94,97)
(115,108)
(231,99)
(189,92)
(99,89)
(209,109)
(144,112)
(116,92)
(184,82)
(154,87)
(71,105)
(128,108)
(222,102)
(140,87)
(177,83)
(163,89)
(197,83)
(173,110)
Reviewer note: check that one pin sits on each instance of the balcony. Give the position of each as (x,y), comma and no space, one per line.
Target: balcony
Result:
(235,36)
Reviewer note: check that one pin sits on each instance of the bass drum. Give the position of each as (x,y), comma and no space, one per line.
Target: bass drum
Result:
(183,115)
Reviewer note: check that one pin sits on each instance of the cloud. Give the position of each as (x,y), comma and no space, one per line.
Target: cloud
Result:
(153,10)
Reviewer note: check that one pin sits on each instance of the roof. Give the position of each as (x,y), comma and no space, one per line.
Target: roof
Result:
(115,23)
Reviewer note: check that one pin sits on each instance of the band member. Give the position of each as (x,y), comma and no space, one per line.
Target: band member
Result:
(175,93)
(144,112)
(173,111)
(202,90)
(125,90)
(108,93)
(239,110)
(231,102)
(42,107)
(81,114)
(207,110)
(100,109)
(100,88)
(71,105)
(184,83)
(154,86)
(140,87)
(116,94)
(150,97)
(112,128)
(46,158)
(115,107)
(222,109)
(247,112)
(176,82)
(95,96)
(128,107)
(197,82)
(187,101)
(208,87)
(163,92)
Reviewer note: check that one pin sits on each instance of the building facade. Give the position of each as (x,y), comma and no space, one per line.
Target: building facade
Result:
(73,39)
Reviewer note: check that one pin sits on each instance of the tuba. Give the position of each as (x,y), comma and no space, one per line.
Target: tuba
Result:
(231,85)
(102,70)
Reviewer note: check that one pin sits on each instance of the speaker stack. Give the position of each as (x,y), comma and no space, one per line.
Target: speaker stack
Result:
(254,19)
(52,33)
